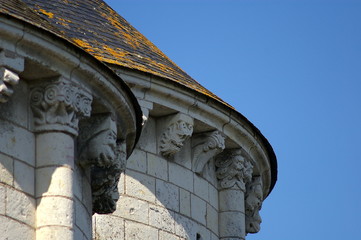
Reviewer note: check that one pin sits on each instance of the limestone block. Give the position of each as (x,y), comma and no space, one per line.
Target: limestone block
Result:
(137,231)
(180,176)
(17,142)
(157,167)
(24,178)
(185,227)
(87,193)
(167,236)
(214,236)
(198,209)
(54,232)
(121,184)
(52,181)
(147,140)
(2,199)
(16,109)
(21,207)
(212,219)
(6,169)
(203,232)
(55,149)
(108,227)
(231,224)
(13,230)
(167,195)
(184,202)
(137,161)
(201,187)
(83,219)
(140,185)
(213,196)
(161,218)
(133,209)
(55,211)
(227,200)
(78,182)
(184,156)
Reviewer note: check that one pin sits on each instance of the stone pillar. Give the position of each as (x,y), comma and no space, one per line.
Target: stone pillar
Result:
(233,172)
(57,106)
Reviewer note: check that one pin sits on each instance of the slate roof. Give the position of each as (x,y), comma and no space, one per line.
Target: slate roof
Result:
(96,28)
(99,30)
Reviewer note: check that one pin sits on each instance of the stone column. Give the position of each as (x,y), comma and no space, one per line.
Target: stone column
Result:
(57,106)
(233,172)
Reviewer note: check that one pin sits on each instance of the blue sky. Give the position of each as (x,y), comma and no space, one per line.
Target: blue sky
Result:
(293,68)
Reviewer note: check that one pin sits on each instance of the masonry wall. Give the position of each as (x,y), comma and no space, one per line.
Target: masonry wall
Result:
(17,168)
(161,199)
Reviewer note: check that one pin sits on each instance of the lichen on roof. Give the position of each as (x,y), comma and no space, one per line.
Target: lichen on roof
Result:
(95,27)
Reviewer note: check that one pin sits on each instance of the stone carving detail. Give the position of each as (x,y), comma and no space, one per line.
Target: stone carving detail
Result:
(253,204)
(7,80)
(58,105)
(10,65)
(99,150)
(211,144)
(180,128)
(233,170)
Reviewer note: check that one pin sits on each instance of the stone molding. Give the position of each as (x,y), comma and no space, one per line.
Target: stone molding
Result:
(11,65)
(58,105)
(233,169)
(99,151)
(253,204)
(208,146)
(179,129)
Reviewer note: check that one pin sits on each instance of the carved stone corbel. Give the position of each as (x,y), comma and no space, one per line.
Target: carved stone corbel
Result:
(253,204)
(99,150)
(206,146)
(179,128)
(10,66)
(233,169)
(58,105)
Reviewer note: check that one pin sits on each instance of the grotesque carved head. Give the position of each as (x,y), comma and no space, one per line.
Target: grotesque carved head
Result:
(106,158)
(253,204)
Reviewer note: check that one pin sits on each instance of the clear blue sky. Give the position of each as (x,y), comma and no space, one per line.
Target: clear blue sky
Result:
(293,68)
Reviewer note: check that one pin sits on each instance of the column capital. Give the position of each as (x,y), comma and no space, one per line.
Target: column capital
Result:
(58,105)
(234,170)
(253,204)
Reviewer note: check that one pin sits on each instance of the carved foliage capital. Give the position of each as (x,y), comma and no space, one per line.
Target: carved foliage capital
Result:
(58,105)
(233,170)
(179,128)
(106,158)
(253,204)
(210,145)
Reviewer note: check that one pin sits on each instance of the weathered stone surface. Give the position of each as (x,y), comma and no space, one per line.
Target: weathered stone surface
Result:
(24,177)
(6,170)
(8,79)
(185,227)
(11,230)
(83,219)
(137,231)
(2,199)
(161,218)
(180,176)
(231,200)
(140,185)
(138,161)
(213,196)
(55,211)
(212,219)
(232,224)
(184,202)
(148,141)
(201,188)
(157,166)
(107,227)
(167,236)
(132,209)
(54,232)
(167,195)
(198,209)
(21,207)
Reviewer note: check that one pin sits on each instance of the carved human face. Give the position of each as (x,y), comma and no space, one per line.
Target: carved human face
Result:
(102,147)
